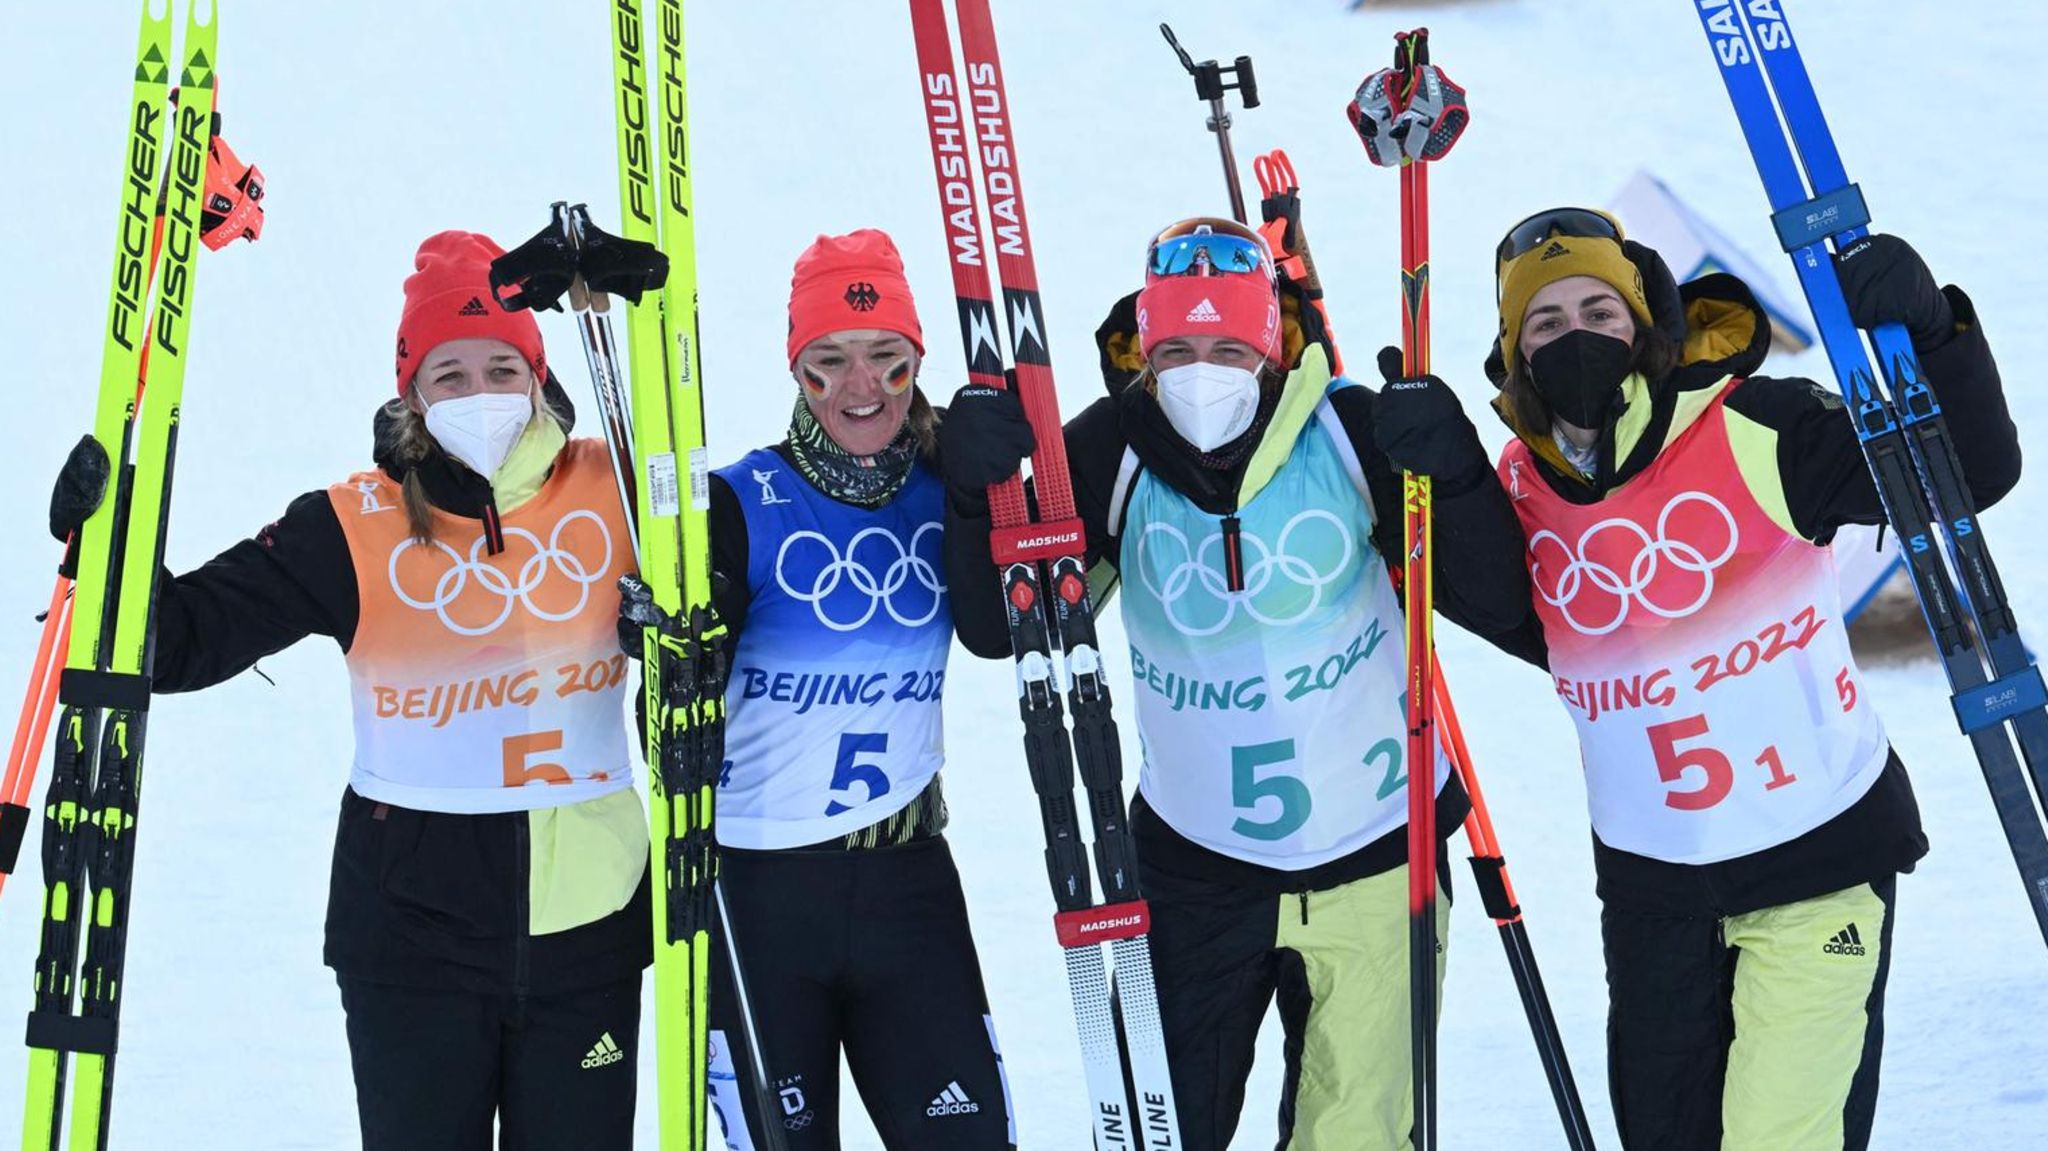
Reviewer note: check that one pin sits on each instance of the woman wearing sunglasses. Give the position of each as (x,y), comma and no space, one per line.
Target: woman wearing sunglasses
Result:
(1749,816)
(1235,488)
(841,888)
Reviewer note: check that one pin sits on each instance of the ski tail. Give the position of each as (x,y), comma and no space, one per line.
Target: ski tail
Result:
(1911,454)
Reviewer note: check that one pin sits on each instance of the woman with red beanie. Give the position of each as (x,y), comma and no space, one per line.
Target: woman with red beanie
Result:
(829,553)
(1236,490)
(487,917)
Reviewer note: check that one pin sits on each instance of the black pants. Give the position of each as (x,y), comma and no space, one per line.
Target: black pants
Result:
(1768,1024)
(870,951)
(436,1069)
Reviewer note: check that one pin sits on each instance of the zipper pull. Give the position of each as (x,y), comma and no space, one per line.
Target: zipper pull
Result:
(1233,563)
(1303,896)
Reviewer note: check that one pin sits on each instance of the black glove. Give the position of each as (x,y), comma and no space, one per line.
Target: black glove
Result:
(983,440)
(80,488)
(1421,425)
(637,612)
(1886,282)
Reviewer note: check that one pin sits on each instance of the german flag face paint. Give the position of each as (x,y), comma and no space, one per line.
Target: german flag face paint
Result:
(858,386)
(885,361)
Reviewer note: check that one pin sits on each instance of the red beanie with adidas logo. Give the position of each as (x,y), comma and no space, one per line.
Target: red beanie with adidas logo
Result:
(448,297)
(1242,307)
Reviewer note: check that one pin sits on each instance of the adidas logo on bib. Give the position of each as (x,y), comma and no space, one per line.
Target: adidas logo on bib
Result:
(604,1054)
(1205,313)
(952,1101)
(1847,941)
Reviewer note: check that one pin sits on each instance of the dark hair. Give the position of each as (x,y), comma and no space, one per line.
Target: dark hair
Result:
(1654,355)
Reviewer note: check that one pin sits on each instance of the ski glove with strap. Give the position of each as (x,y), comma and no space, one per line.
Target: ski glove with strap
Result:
(81,487)
(1886,282)
(983,440)
(1422,427)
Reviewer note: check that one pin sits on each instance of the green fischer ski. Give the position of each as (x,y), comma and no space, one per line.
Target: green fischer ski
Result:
(683,663)
(89,820)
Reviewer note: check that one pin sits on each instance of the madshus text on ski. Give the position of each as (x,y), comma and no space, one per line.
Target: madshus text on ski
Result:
(531,617)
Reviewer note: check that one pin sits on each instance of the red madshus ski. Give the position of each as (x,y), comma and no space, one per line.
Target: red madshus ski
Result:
(1034,554)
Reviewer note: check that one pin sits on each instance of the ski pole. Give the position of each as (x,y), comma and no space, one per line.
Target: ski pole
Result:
(1497,896)
(38,705)
(1210,86)
(1408,116)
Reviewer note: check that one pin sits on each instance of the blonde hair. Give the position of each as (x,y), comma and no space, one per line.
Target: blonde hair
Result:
(412,443)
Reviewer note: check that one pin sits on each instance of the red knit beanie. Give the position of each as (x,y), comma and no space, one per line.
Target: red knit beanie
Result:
(850,282)
(1242,307)
(448,297)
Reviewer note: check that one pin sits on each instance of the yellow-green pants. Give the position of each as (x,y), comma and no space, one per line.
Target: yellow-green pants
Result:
(1337,960)
(1751,1032)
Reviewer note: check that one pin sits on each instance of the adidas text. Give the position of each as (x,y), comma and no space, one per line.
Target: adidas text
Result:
(952,1101)
(1205,313)
(606,1053)
(1847,941)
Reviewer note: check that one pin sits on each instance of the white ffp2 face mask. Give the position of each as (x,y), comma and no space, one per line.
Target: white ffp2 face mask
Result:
(480,430)
(1209,404)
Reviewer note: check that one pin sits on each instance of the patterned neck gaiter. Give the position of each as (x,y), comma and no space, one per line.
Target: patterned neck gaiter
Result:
(863,481)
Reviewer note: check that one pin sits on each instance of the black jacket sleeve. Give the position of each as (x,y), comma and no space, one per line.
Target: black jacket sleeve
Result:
(294,579)
(730,555)
(1827,483)
(1094,451)
(1481,581)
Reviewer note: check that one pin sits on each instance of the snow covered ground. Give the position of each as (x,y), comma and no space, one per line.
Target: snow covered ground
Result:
(378,122)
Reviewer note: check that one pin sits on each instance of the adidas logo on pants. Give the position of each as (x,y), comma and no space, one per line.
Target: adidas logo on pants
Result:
(605,1053)
(952,1101)
(1847,941)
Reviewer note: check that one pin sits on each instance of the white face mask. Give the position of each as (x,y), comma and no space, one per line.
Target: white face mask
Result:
(1209,404)
(480,429)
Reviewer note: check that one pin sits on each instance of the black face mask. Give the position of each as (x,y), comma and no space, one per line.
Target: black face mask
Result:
(1579,376)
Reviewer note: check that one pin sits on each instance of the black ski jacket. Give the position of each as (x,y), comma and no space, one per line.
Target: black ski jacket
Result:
(1826,484)
(1473,525)
(416,898)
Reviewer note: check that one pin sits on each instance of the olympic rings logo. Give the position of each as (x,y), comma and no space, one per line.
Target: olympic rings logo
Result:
(876,592)
(1296,583)
(1640,581)
(512,591)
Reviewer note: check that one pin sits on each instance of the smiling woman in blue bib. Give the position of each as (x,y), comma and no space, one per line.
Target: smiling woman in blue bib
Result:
(829,549)
(1236,489)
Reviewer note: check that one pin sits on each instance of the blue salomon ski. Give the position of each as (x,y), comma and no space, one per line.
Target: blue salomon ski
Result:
(1996,689)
